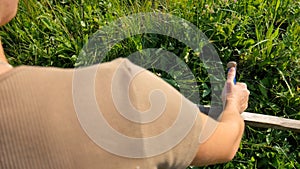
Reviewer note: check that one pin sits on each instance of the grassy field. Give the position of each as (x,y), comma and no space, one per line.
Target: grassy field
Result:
(261,35)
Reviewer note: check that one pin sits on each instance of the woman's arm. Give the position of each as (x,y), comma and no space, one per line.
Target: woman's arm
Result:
(223,144)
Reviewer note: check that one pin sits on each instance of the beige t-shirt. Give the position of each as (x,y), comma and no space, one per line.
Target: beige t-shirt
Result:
(115,115)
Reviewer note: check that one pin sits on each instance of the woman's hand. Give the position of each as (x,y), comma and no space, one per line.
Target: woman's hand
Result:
(235,96)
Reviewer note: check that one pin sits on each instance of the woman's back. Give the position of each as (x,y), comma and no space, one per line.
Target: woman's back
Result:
(41,128)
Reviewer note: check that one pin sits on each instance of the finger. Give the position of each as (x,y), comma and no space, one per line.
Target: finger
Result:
(230,65)
(246,102)
(230,79)
(246,99)
(243,85)
(231,75)
(245,106)
(248,93)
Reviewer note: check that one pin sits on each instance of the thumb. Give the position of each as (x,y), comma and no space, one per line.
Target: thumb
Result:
(231,74)
(230,79)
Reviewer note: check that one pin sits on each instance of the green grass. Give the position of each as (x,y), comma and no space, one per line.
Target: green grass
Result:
(261,35)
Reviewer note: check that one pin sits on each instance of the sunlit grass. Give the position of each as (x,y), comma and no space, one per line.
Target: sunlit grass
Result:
(261,35)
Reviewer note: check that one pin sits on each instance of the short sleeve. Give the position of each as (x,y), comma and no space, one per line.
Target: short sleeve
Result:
(169,122)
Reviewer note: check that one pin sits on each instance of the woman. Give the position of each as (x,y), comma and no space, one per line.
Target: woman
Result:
(41,126)
(8,11)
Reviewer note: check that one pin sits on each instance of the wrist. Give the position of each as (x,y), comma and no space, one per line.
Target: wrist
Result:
(231,112)
(232,106)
